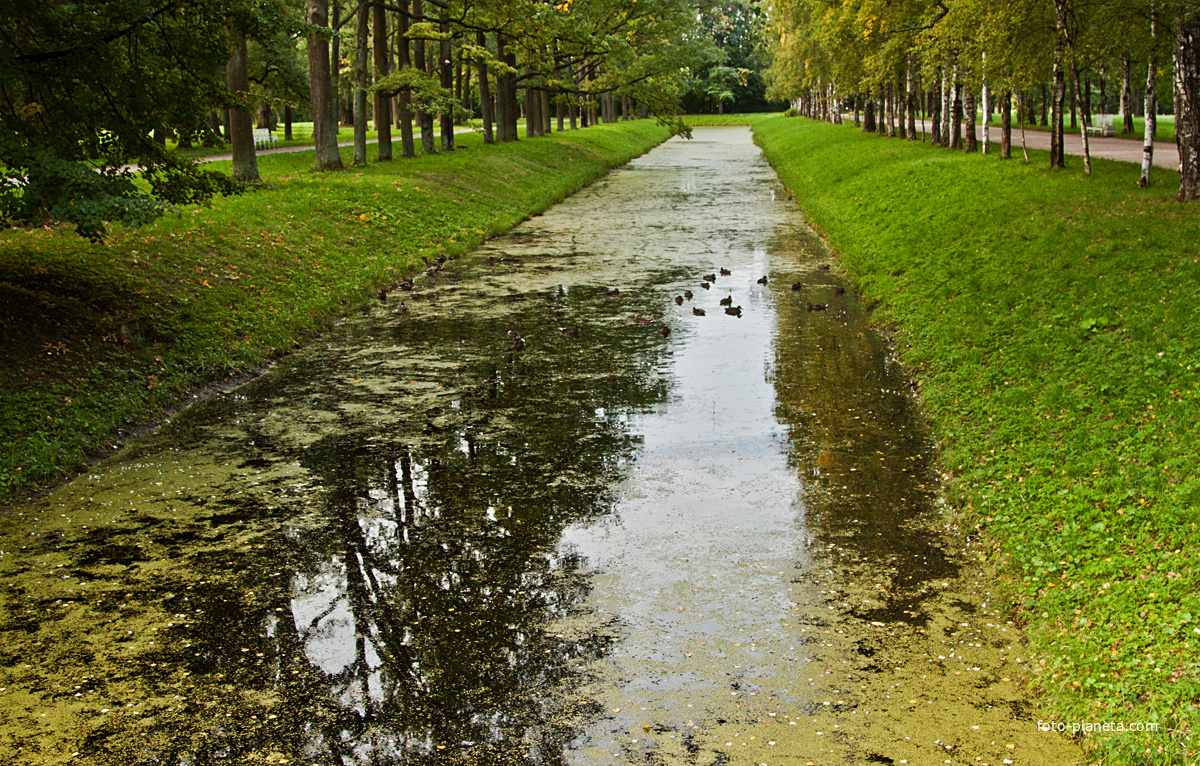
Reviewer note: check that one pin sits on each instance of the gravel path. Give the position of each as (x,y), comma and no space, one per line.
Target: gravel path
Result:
(1166,154)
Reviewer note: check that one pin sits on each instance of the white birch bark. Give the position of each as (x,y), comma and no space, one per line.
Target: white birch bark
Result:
(1151,106)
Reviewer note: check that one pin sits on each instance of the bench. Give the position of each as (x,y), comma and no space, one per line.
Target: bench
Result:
(264,139)
(1102,125)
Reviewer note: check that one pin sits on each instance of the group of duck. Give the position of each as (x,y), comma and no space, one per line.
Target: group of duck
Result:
(572,331)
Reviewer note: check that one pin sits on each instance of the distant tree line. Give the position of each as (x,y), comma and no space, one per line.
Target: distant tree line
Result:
(1039,60)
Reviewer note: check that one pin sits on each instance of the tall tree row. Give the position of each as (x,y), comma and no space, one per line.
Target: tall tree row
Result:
(91,90)
(1057,63)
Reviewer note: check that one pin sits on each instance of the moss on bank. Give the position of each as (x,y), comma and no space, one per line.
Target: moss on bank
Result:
(1050,319)
(96,338)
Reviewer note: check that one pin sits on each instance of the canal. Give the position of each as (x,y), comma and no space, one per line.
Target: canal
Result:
(554,505)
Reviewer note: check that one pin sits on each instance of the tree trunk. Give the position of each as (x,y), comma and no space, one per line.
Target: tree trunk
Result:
(404,97)
(1071,91)
(446,68)
(947,106)
(512,108)
(1085,99)
(1058,87)
(868,123)
(531,125)
(987,118)
(956,116)
(1126,95)
(891,110)
(1024,149)
(544,102)
(1083,126)
(421,62)
(383,104)
(324,108)
(1006,125)
(1187,98)
(1103,86)
(287,122)
(935,114)
(910,89)
(335,60)
(1151,106)
(241,125)
(485,96)
(969,143)
(362,51)
(501,95)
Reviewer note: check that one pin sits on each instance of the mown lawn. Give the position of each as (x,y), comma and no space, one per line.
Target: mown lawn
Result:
(97,338)
(1051,321)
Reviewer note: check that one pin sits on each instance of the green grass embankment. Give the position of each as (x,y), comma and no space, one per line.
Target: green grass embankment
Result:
(1051,319)
(745,118)
(95,338)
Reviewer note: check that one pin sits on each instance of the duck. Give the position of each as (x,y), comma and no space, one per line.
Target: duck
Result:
(727,300)
(823,267)
(762,280)
(687,294)
(678,300)
(734,311)
(797,286)
(570,332)
(493,260)
(839,290)
(665,331)
(697,311)
(383,296)
(403,307)
(513,334)
(440,260)
(710,277)
(705,285)
(406,284)
(816,306)
(480,294)
(518,344)
(725,272)
(643,320)
(613,293)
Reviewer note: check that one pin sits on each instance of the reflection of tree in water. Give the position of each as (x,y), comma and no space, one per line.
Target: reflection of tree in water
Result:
(419,618)
(857,442)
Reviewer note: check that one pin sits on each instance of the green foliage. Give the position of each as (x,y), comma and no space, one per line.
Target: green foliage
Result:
(86,84)
(95,337)
(1050,321)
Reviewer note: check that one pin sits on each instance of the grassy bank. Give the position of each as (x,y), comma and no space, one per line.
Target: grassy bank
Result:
(1051,321)
(96,338)
(749,118)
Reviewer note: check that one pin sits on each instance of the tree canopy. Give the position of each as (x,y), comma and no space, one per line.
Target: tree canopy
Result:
(83,86)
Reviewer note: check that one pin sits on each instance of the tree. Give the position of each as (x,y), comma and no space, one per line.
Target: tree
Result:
(1187,99)
(83,86)
(320,78)
(241,124)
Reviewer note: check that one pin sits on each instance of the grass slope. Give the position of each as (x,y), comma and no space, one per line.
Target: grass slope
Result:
(94,338)
(1051,321)
(747,118)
